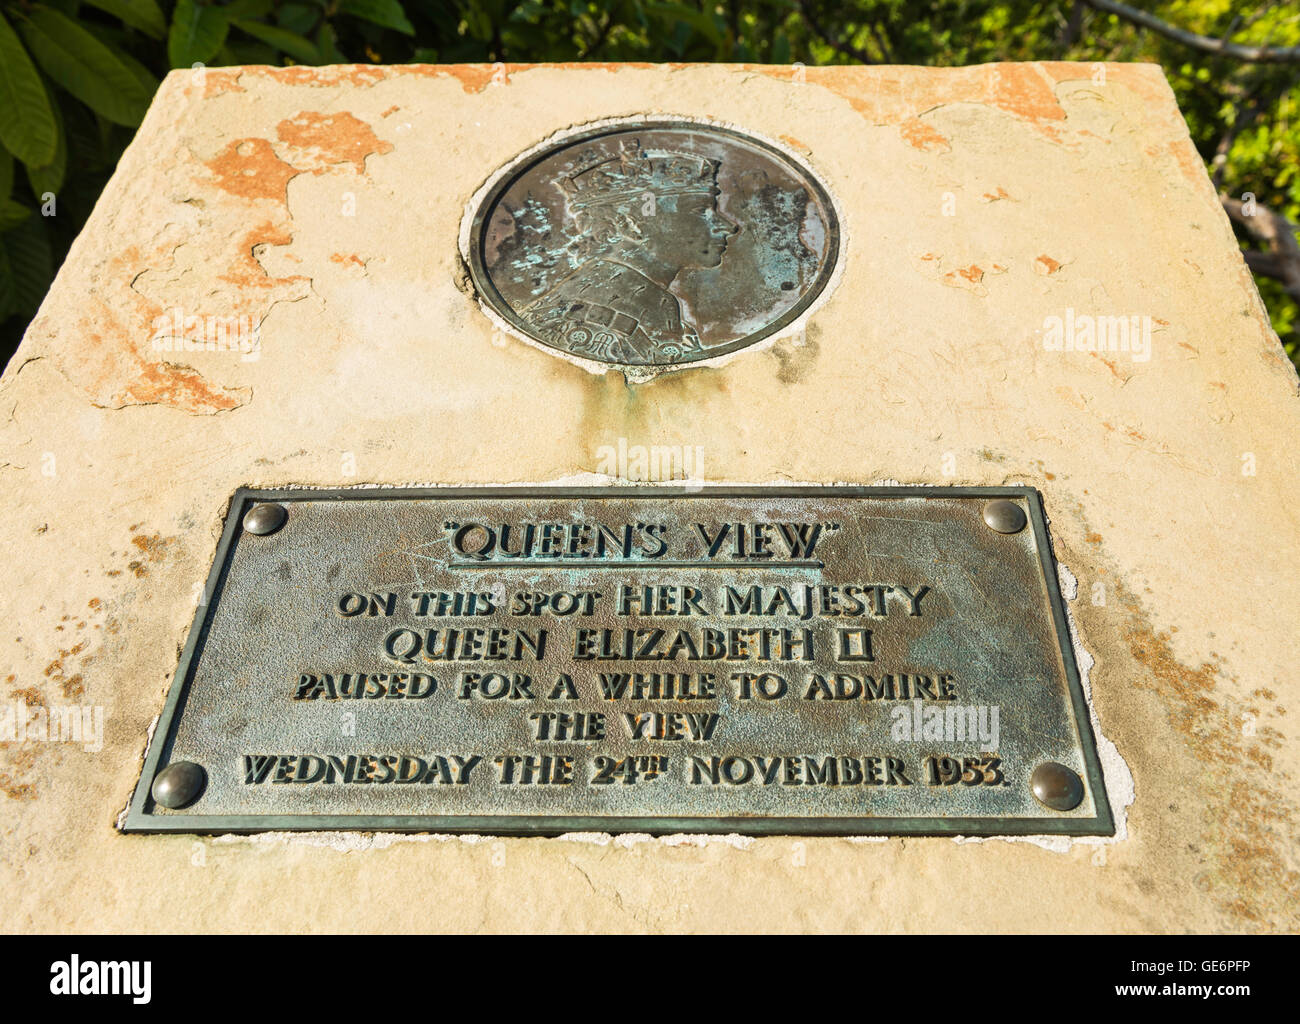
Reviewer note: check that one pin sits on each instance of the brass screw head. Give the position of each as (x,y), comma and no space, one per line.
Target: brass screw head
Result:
(178,784)
(265,518)
(1004,516)
(1056,786)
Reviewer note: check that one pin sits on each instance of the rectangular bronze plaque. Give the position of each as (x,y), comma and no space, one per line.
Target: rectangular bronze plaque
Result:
(834,660)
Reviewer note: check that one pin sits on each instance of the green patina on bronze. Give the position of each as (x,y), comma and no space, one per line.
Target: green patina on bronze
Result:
(653,244)
(822,661)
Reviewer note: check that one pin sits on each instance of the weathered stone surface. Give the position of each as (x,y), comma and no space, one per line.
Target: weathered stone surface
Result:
(326,204)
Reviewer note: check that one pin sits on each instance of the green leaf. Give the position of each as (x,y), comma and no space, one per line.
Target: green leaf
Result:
(300,49)
(85,147)
(8,295)
(387,13)
(12,214)
(86,67)
(142,74)
(780,49)
(49,178)
(247,9)
(6,173)
(31,263)
(27,126)
(328,44)
(298,18)
(680,14)
(145,15)
(197,33)
(246,52)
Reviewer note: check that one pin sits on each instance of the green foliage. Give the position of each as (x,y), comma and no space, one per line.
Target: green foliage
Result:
(197,32)
(86,68)
(27,126)
(76,77)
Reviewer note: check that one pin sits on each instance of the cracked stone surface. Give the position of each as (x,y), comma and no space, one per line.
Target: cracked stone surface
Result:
(321,208)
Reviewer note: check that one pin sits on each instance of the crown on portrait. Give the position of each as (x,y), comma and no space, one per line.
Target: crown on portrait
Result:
(634,172)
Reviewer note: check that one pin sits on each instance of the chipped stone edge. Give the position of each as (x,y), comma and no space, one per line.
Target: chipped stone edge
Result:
(645,374)
(120,822)
(1116,776)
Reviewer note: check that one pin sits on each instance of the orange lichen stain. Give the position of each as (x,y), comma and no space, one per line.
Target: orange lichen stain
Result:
(1189,161)
(612,65)
(363,75)
(246,272)
(94,602)
(1110,365)
(337,138)
(895,95)
(16,790)
(993,197)
(343,260)
(249,168)
(919,135)
(154,546)
(390,111)
(796,144)
(1026,91)
(474,78)
(216,81)
(163,383)
(968,278)
(1047,266)
(1049,476)
(113,372)
(1248,810)
(1093,538)
(929,256)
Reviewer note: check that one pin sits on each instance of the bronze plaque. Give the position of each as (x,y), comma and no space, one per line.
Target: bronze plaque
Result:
(653,244)
(817,660)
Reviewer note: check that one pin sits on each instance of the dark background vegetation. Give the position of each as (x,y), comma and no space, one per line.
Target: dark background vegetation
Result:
(76,78)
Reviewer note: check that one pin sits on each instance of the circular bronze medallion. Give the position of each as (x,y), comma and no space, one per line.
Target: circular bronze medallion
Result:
(653,244)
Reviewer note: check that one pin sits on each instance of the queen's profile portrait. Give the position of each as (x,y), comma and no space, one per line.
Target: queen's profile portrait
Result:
(638,219)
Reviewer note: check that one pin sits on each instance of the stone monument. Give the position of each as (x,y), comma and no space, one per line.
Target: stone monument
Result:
(582,497)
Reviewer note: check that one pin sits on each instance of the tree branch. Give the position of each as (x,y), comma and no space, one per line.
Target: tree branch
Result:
(1280,258)
(590,49)
(1072,28)
(1219,47)
(878,34)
